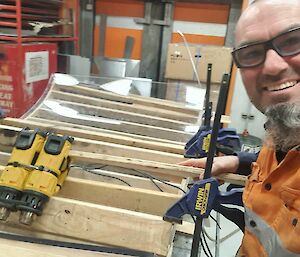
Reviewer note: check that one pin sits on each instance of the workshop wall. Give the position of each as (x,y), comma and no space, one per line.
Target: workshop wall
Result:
(200,23)
(120,16)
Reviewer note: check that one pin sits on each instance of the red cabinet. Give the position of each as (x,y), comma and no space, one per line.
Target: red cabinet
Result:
(24,73)
(27,58)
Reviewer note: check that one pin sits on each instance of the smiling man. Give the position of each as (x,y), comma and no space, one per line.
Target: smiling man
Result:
(267,53)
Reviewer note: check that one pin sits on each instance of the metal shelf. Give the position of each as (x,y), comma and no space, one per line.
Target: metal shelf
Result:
(17,17)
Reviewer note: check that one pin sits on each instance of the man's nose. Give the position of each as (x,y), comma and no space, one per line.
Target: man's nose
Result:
(274,64)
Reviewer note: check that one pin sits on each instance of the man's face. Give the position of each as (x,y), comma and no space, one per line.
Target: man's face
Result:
(276,80)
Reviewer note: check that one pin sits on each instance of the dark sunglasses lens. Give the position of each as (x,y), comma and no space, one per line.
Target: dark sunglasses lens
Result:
(250,56)
(288,43)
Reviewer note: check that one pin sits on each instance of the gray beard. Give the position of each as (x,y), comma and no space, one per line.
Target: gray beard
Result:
(283,125)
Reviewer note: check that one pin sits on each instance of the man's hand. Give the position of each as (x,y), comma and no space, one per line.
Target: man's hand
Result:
(221,164)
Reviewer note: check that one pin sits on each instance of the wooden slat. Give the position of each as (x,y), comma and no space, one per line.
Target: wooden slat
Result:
(116,114)
(106,131)
(167,171)
(134,108)
(62,128)
(123,126)
(171,172)
(118,178)
(174,173)
(132,99)
(124,197)
(88,145)
(103,225)
(115,178)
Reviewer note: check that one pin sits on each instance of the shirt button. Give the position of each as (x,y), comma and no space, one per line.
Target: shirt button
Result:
(294,222)
(252,223)
(268,186)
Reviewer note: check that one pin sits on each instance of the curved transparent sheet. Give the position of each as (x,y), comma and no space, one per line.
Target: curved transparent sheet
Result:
(123,106)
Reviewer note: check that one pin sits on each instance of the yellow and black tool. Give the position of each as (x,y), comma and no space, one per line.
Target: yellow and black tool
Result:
(24,155)
(51,169)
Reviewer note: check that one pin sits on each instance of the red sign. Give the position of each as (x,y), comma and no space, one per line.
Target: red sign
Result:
(24,73)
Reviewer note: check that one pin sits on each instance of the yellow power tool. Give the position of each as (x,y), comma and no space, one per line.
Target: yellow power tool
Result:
(51,169)
(24,154)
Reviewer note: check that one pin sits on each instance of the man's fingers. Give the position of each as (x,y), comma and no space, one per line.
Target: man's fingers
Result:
(198,163)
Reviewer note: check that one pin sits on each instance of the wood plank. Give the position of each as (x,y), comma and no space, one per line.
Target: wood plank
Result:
(124,197)
(103,225)
(13,248)
(107,131)
(88,109)
(118,178)
(131,99)
(61,128)
(88,145)
(134,108)
(115,178)
(171,172)
(121,126)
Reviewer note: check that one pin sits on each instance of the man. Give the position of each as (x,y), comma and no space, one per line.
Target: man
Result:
(268,55)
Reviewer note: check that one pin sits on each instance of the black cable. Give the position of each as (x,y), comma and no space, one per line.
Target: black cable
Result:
(97,173)
(206,250)
(201,238)
(205,242)
(202,245)
(217,223)
(160,180)
(151,178)
(159,188)
(208,254)
(109,176)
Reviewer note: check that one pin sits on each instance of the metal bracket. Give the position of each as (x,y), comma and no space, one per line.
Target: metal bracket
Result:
(167,19)
(147,19)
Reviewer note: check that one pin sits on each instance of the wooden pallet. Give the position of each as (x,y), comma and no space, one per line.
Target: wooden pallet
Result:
(122,207)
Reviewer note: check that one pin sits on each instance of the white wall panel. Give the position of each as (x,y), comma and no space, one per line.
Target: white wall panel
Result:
(200,28)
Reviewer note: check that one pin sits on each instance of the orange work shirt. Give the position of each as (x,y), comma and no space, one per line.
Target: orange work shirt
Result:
(272,206)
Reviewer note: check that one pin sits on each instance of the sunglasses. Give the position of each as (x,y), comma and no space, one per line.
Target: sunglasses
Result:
(252,55)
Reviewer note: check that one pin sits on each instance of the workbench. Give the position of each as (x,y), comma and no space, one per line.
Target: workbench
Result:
(123,138)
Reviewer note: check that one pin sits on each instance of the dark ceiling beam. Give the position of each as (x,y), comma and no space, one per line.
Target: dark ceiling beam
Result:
(193,1)
(206,1)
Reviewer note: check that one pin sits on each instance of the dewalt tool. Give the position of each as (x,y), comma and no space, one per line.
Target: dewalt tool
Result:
(24,155)
(51,169)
